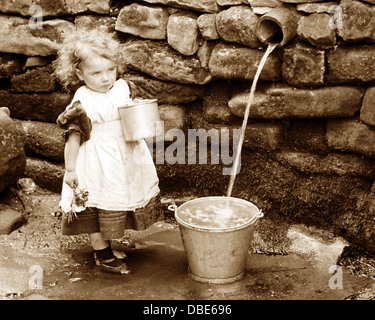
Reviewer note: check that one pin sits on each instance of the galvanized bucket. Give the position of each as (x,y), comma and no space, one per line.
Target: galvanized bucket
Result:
(139,119)
(217,255)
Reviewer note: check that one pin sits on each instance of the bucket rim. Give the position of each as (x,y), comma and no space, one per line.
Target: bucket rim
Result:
(138,102)
(229,229)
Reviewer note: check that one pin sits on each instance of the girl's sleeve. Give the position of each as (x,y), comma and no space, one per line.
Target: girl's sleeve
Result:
(75,119)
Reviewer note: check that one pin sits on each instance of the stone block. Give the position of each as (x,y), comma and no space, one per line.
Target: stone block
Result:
(264,3)
(18,37)
(10,64)
(265,135)
(351,64)
(28,8)
(207,26)
(279,101)
(196,5)
(90,21)
(174,118)
(351,136)
(37,61)
(43,139)
(36,80)
(224,3)
(303,65)
(81,6)
(204,53)
(320,7)
(299,1)
(35,106)
(12,154)
(230,61)
(183,32)
(308,135)
(10,219)
(46,174)
(46,8)
(367,114)
(159,60)
(358,21)
(166,92)
(215,102)
(316,30)
(237,24)
(350,165)
(258,135)
(145,21)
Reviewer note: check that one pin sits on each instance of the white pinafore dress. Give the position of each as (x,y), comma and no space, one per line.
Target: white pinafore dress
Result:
(119,175)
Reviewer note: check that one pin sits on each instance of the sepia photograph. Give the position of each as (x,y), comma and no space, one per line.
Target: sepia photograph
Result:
(187,157)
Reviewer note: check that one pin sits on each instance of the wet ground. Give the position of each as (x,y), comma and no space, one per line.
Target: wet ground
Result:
(37,262)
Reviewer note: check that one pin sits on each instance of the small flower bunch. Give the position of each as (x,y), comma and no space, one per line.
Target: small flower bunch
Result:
(78,203)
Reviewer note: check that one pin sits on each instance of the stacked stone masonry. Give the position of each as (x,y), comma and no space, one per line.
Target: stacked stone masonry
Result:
(312,118)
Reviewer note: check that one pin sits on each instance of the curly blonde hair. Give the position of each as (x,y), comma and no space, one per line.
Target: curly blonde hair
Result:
(79,46)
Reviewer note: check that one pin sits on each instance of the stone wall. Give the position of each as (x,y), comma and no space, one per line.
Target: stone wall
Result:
(309,150)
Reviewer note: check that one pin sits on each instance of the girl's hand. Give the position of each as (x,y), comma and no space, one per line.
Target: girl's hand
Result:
(71,179)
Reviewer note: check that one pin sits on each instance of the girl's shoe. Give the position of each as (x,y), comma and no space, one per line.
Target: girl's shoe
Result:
(112,265)
(119,254)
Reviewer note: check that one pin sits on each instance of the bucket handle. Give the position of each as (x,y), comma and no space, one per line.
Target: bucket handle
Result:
(172,207)
(260,214)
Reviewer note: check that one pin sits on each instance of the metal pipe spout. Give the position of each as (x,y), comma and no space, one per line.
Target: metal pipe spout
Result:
(278,26)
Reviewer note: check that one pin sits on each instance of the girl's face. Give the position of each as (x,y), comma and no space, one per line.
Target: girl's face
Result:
(98,73)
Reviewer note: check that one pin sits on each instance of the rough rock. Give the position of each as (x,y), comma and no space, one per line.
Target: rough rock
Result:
(18,36)
(36,80)
(320,7)
(90,21)
(36,61)
(264,3)
(174,119)
(35,106)
(43,139)
(230,61)
(351,136)
(315,29)
(204,53)
(207,26)
(12,153)
(183,32)
(46,174)
(358,21)
(162,62)
(231,2)
(303,65)
(351,64)
(166,92)
(10,219)
(277,102)
(330,164)
(308,135)
(237,24)
(258,135)
(197,5)
(367,114)
(145,21)
(300,1)
(10,64)
(47,8)
(215,103)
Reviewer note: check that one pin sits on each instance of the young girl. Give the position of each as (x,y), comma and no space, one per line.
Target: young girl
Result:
(119,176)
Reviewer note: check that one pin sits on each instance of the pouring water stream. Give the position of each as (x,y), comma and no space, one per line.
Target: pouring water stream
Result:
(270,48)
